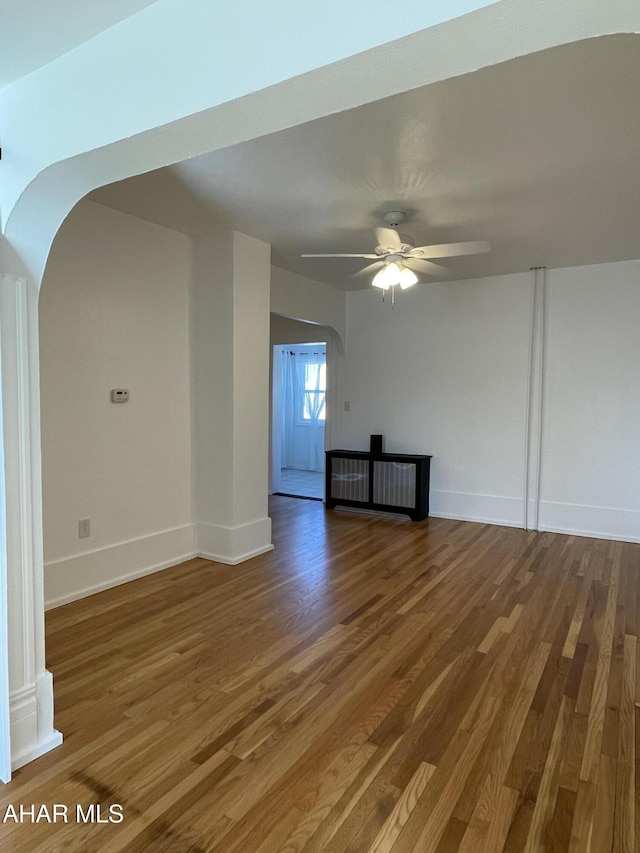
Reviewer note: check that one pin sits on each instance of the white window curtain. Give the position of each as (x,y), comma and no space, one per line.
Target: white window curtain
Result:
(303,408)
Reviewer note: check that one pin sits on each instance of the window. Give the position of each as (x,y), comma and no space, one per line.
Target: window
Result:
(315,387)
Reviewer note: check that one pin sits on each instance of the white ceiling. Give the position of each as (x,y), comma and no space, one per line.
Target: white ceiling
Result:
(35,32)
(540,156)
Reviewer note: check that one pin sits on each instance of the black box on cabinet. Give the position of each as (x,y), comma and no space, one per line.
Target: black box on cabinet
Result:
(375,445)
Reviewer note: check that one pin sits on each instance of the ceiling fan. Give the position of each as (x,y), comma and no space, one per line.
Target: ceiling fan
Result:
(396,261)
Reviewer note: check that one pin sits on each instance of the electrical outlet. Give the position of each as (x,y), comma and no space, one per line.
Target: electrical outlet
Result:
(84,528)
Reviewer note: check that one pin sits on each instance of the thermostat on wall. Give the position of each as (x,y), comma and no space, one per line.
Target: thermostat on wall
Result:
(120,395)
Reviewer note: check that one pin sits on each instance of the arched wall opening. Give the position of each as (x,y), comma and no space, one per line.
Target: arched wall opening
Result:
(291,330)
(66,176)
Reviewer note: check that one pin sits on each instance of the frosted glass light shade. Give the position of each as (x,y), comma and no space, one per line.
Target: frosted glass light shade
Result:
(393,274)
(407,278)
(387,277)
(380,281)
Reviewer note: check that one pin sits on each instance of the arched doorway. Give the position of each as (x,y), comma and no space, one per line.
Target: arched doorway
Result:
(68,154)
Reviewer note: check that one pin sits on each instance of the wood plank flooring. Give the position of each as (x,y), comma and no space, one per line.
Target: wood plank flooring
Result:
(370,685)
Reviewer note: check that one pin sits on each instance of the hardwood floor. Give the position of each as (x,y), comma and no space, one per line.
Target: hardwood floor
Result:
(371,685)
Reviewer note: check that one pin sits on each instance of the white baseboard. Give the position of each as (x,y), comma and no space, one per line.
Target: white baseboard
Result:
(31,714)
(24,756)
(599,522)
(82,575)
(85,574)
(467,506)
(233,545)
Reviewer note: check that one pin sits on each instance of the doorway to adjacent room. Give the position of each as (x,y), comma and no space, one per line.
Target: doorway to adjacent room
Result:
(300,404)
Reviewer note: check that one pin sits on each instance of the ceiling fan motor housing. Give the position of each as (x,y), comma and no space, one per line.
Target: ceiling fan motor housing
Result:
(394,218)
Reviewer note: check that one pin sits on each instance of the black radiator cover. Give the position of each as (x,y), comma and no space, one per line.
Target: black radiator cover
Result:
(388,482)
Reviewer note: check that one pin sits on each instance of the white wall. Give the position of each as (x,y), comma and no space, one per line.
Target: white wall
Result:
(446,373)
(114,313)
(591,416)
(300,298)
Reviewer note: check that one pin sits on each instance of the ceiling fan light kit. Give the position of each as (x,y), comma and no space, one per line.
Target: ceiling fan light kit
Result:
(397,262)
(393,273)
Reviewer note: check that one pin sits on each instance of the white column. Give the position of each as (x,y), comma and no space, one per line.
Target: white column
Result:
(5,728)
(230,392)
(533,438)
(30,684)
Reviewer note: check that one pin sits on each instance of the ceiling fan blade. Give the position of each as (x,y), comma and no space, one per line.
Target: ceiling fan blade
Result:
(425,267)
(388,238)
(450,250)
(341,256)
(368,269)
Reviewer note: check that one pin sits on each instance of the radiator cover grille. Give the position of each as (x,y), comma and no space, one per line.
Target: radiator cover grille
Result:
(350,479)
(394,484)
